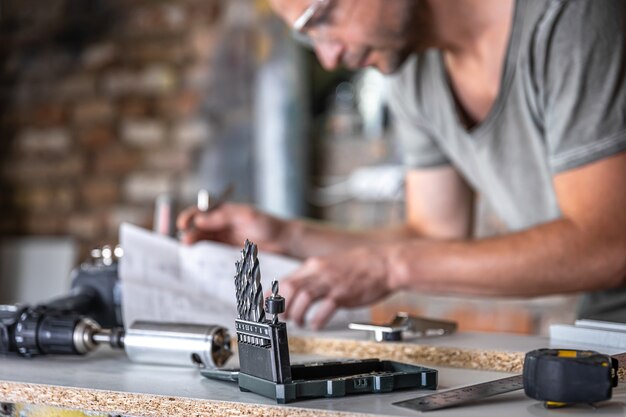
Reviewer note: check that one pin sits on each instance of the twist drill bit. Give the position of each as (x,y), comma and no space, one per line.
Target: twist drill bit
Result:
(249,292)
(257,302)
(240,284)
(243,296)
(236,282)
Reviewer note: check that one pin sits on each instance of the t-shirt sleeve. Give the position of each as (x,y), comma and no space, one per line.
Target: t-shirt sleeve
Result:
(418,145)
(584,82)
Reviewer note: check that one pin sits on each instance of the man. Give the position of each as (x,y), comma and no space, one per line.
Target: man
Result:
(522,101)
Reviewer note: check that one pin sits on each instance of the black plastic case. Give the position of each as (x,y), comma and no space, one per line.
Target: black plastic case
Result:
(334,379)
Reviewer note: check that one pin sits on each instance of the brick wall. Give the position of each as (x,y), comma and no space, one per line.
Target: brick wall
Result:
(107,103)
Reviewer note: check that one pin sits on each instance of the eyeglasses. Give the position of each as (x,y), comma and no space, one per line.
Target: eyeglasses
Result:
(305,18)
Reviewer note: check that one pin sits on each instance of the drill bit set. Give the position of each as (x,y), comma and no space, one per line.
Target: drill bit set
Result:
(263,348)
(264,361)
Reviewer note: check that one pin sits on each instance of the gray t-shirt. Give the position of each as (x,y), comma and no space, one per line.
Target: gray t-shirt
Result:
(561,105)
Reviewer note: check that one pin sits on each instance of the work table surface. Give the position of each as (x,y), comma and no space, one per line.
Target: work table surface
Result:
(107,381)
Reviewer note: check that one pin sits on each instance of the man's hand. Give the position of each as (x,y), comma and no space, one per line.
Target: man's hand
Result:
(233,224)
(350,278)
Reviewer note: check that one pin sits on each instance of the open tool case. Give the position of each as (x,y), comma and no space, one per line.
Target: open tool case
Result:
(265,366)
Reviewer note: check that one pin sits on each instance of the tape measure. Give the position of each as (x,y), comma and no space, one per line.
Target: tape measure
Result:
(556,376)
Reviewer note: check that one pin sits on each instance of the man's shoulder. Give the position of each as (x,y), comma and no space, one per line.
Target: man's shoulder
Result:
(407,84)
(576,23)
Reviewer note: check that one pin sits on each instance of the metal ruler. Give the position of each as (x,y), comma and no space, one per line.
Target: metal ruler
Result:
(463,395)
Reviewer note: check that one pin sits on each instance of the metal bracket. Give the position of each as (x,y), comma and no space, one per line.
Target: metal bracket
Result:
(404,323)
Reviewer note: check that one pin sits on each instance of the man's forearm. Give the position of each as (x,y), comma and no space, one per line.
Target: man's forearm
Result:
(556,257)
(303,239)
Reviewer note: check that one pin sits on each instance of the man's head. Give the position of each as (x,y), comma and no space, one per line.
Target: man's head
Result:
(358,33)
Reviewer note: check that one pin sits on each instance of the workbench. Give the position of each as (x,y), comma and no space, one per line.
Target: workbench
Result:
(107,382)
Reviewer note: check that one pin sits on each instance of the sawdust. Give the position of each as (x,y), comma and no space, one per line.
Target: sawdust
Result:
(486,360)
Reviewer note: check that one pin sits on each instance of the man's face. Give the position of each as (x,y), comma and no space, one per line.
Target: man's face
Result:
(359,33)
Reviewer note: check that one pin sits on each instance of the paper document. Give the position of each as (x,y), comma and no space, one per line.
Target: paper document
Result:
(163,280)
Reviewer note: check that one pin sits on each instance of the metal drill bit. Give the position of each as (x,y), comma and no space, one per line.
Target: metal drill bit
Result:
(240,282)
(242,288)
(238,269)
(248,289)
(257,302)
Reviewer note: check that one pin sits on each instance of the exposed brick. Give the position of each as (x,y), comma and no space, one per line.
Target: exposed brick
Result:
(44,224)
(96,137)
(55,140)
(172,51)
(157,80)
(181,105)
(120,82)
(172,160)
(99,192)
(143,133)
(37,199)
(144,187)
(25,170)
(76,87)
(93,111)
(47,115)
(85,225)
(157,18)
(116,160)
(140,216)
(135,107)
(48,63)
(64,198)
(45,199)
(71,164)
(191,134)
(28,92)
(99,55)
(205,12)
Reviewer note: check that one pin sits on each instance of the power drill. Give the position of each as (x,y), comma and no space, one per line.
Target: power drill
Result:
(33,331)
(96,290)
(70,324)
(36,331)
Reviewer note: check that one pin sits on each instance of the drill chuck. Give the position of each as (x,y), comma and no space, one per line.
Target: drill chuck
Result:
(38,332)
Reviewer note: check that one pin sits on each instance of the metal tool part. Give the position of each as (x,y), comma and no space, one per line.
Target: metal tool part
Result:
(264,352)
(31,332)
(182,344)
(37,331)
(556,376)
(275,304)
(263,346)
(406,325)
(249,291)
(463,395)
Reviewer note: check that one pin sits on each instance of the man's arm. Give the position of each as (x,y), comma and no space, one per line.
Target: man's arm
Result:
(439,206)
(584,250)
(438,198)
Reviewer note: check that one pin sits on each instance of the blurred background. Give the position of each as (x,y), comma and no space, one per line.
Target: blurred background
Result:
(106,105)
